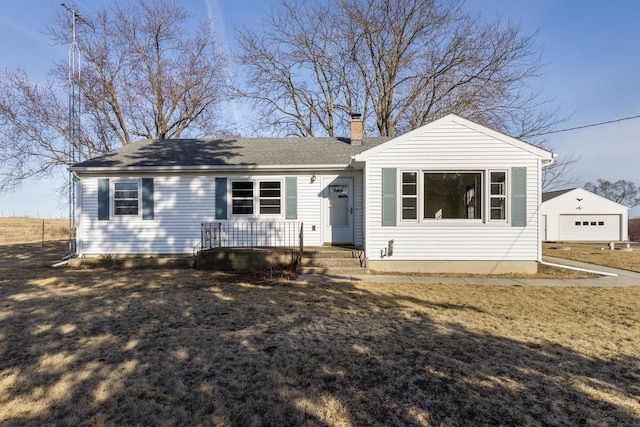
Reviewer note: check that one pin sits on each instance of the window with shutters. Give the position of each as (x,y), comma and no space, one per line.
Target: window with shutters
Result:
(427,195)
(256,197)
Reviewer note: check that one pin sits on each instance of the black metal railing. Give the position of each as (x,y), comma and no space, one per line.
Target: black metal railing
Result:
(251,234)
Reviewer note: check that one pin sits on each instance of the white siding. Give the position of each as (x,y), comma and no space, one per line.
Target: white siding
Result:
(181,203)
(311,208)
(452,147)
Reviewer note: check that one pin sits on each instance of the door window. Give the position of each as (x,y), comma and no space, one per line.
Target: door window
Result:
(338,204)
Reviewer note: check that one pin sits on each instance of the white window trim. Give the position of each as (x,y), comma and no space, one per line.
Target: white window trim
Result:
(256,198)
(507,194)
(112,198)
(417,196)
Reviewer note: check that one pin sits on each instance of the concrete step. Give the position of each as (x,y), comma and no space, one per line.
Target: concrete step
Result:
(332,254)
(331,262)
(332,271)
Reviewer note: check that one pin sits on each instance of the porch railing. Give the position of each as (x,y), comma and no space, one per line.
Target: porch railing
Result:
(252,234)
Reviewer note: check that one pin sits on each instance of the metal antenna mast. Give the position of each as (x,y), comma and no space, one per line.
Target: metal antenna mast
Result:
(74,122)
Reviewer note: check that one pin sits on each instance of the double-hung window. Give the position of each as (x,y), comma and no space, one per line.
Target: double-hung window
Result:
(125,198)
(409,195)
(270,198)
(498,196)
(251,197)
(242,197)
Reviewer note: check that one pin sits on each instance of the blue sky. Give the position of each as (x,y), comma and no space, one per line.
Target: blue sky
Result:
(591,48)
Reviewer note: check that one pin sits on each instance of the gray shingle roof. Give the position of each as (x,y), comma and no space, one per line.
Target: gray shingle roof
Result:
(553,194)
(232,152)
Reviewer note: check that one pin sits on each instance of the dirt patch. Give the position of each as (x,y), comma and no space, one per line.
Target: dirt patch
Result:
(175,347)
(595,254)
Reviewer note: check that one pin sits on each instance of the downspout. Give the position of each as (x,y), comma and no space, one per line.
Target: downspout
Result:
(74,253)
(550,161)
(544,163)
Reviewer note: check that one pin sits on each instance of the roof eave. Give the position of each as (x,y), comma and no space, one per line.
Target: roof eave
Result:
(206,168)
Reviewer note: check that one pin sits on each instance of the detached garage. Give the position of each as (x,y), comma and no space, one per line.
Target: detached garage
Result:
(580,215)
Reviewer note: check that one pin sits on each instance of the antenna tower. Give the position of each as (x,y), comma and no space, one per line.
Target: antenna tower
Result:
(74,122)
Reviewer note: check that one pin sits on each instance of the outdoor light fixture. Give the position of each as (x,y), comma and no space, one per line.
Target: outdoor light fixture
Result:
(313,178)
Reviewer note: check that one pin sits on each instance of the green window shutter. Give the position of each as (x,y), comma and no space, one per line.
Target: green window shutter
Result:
(103,199)
(389,196)
(147,198)
(518,197)
(221,198)
(291,197)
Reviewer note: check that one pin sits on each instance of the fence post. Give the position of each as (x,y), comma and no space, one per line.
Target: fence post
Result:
(301,241)
(43,233)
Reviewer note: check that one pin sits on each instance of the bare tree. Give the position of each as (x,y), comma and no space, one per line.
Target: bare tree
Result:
(401,62)
(147,72)
(294,73)
(622,191)
(558,174)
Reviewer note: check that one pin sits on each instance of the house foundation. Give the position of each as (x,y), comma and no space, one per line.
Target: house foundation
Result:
(454,267)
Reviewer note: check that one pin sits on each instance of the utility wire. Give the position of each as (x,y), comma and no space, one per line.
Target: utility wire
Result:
(589,126)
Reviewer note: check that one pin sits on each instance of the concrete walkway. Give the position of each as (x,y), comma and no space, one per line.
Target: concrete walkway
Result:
(624,278)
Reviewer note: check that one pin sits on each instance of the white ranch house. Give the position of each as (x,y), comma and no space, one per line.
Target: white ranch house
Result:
(447,197)
(580,215)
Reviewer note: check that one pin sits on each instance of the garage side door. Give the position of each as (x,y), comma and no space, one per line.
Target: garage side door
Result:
(589,227)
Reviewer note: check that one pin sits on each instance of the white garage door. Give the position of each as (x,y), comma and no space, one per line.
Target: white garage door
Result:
(589,227)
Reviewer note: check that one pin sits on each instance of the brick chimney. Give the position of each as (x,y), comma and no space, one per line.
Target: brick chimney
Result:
(357,129)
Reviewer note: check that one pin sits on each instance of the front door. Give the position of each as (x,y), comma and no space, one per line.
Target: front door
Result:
(338,211)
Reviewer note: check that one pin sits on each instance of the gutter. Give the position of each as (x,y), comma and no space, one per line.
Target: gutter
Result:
(305,167)
(549,162)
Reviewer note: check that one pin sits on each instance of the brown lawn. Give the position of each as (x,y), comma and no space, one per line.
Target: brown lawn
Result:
(21,242)
(30,230)
(184,347)
(599,254)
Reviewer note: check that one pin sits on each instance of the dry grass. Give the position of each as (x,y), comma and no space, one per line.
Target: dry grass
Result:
(154,347)
(29,230)
(21,242)
(191,347)
(595,254)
